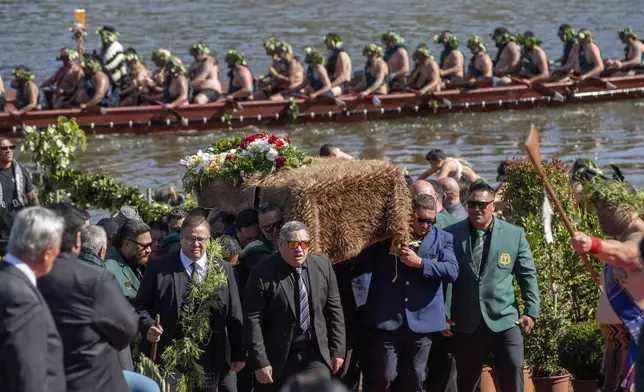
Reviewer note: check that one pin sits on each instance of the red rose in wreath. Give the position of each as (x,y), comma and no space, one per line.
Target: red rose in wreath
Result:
(244,144)
(279,162)
(230,157)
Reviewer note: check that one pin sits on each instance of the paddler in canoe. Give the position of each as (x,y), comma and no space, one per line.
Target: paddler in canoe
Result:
(397,59)
(177,89)
(633,61)
(95,88)
(376,73)
(480,66)
(451,60)
(415,74)
(589,61)
(61,86)
(204,75)
(139,79)
(160,58)
(508,57)
(268,84)
(317,80)
(28,95)
(293,75)
(338,64)
(568,36)
(534,61)
(426,78)
(240,85)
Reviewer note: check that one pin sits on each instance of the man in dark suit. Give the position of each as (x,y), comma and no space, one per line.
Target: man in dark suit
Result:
(490,253)
(31,352)
(401,298)
(294,319)
(164,291)
(91,313)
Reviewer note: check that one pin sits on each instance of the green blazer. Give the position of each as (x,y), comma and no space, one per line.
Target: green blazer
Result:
(444,219)
(128,280)
(491,297)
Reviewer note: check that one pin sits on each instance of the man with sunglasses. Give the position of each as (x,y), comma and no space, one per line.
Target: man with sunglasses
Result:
(401,299)
(129,255)
(294,319)
(484,309)
(16,189)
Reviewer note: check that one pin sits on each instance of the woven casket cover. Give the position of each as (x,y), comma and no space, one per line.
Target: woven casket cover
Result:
(346,204)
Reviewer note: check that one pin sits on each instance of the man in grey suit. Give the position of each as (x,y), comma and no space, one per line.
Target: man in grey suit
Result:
(294,320)
(31,352)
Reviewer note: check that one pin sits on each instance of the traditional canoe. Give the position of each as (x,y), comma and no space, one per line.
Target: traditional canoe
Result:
(222,115)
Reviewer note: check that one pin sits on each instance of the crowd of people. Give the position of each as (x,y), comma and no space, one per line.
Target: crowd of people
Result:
(422,317)
(118,77)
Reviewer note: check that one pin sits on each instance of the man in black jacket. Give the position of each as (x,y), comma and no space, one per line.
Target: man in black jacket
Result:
(31,352)
(93,317)
(163,292)
(294,319)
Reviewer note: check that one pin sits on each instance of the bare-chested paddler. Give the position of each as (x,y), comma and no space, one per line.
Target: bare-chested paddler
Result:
(28,96)
(269,85)
(376,72)
(397,59)
(176,91)
(451,59)
(62,84)
(480,65)
(160,58)
(204,75)
(338,64)
(95,88)
(412,80)
(589,61)
(534,61)
(240,85)
(508,57)
(427,78)
(317,80)
(139,80)
(568,36)
(633,61)
(294,71)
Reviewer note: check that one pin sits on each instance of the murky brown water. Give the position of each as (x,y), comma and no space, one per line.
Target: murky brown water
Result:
(32,31)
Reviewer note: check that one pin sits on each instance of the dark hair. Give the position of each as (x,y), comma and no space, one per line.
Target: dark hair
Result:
(225,217)
(131,228)
(110,226)
(425,202)
(199,211)
(435,155)
(74,222)
(246,218)
(326,150)
(481,185)
(193,221)
(230,246)
(565,26)
(438,188)
(176,214)
(269,207)
(159,226)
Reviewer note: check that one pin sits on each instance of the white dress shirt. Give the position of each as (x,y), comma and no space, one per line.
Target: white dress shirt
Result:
(24,268)
(189,265)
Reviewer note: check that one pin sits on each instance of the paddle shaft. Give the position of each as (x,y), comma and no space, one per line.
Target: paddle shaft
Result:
(532,144)
(157,323)
(79,15)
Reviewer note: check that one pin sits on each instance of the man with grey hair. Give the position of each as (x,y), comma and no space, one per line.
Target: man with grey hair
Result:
(452,199)
(30,346)
(93,244)
(422,187)
(294,295)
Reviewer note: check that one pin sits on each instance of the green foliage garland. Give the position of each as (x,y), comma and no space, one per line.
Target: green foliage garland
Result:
(291,111)
(567,292)
(203,298)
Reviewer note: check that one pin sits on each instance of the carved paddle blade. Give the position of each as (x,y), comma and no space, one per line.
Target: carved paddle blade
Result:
(532,145)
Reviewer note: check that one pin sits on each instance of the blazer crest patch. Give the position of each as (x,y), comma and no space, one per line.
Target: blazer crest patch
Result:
(127,284)
(505,259)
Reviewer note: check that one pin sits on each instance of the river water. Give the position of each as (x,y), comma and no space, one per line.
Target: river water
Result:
(31,32)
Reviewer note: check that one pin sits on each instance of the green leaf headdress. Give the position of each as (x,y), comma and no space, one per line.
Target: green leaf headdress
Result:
(452,40)
(424,52)
(566,32)
(585,34)
(233,57)
(627,33)
(199,48)
(528,39)
(502,36)
(91,63)
(161,54)
(23,73)
(615,193)
(131,55)
(284,47)
(392,37)
(270,44)
(333,40)
(108,34)
(372,48)
(176,67)
(71,54)
(313,56)
(476,42)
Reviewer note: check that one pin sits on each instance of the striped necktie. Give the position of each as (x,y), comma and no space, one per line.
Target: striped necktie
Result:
(305,319)
(477,251)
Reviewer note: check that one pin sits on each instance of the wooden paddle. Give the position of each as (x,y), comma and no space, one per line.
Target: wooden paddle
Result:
(153,354)
(595,81)
(532,144)
(79,15)
(541,89)
(174,111)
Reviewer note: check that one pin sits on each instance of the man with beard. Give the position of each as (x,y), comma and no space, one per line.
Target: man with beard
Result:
(508,56)
(63,83)
(619,311)
(204,75)
(451,59)
(28,95)
(129,255)
(338,64)
(240,83)
(112,57)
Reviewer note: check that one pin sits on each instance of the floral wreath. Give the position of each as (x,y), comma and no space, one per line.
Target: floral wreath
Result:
(108,34)
(23,73)
(176,67)
(423,51)
(199,48)
(452,41)
(585,35)
(627,33)
(393,37)
(313,55)
(334,40)
(566,32)
(284,47)
(92,64)
(373,49)
(528,39)
(270,44)
(476,41)
(71,54)
(501,36)
(233,57)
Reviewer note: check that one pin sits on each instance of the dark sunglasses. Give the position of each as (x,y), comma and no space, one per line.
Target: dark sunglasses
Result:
(143,246)
(430,221)
(478,204)
(7,148)
(295,244)
(273,226)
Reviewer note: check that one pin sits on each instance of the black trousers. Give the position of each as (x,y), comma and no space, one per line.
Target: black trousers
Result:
(355,364)
(298,361)
(441,366)
(399,356)
(471,350)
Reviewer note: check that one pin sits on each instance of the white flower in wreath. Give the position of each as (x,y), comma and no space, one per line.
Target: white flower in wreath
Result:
(271,154)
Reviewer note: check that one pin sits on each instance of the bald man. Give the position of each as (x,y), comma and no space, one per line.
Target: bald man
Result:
(422,187)
(451,199)
(330,151)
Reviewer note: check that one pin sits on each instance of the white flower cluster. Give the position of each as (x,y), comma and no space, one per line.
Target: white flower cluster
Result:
(260,147)
(205,161)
